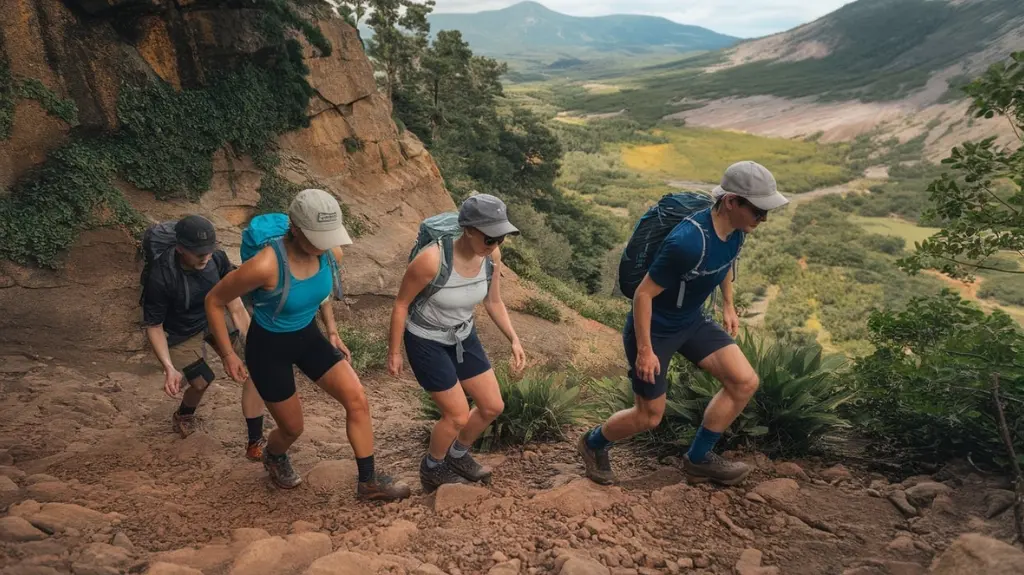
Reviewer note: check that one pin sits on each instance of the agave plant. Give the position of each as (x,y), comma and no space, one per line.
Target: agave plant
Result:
(794,406)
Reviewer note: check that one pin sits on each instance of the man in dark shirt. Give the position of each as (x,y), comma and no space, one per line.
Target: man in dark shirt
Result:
(174,317)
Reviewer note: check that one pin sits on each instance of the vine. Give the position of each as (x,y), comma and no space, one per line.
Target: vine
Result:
(165,142)
(13,89)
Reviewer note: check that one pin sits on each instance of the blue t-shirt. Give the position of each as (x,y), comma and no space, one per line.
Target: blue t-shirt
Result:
(678,255)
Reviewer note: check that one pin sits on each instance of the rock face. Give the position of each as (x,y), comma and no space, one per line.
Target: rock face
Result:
(972,554)
(87,51)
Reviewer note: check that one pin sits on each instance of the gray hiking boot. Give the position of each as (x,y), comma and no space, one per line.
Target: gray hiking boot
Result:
(716,469)
(280,469)
(432,478)
(468,467)
(599,467)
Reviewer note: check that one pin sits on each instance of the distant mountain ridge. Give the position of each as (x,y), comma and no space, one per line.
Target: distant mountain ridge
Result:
(530,26)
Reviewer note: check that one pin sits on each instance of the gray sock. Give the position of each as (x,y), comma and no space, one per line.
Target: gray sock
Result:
(431,462)
(457,449)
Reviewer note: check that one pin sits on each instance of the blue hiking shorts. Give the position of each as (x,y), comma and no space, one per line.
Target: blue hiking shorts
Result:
(436,366)
(694,343)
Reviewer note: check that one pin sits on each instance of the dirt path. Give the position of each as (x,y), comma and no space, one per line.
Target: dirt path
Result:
(92,463)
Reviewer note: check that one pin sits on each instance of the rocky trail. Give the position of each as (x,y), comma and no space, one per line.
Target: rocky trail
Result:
(94,482)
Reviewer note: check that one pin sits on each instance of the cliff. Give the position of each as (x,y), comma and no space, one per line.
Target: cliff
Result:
(128,65)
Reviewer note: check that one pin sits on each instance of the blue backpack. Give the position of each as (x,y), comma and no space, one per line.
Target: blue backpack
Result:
(442,229)
(270,229)
(650,232)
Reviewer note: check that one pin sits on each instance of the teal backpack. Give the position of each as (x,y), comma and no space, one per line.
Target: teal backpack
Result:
(442,229)
(270,229)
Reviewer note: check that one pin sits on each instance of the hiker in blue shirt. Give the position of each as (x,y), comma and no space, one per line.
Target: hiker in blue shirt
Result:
(462,265)
(668,318)
(286,335)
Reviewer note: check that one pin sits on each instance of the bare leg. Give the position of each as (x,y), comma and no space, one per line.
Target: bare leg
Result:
(488,405)
(342,383)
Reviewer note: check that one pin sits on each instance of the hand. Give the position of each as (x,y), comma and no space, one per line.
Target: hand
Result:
(336,342)
(730,320)
(647,365)
(395,364)
(235,368)
(518,356)
(172,382)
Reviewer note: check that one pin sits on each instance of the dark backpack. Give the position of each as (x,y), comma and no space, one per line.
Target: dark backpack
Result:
(650,232)
(158,242)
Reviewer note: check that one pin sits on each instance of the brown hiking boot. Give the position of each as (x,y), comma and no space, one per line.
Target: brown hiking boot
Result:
(717,469)
(280,469)
(184,424)
(382,488)
(468,467)
(432,478)
(254,450)
(599,467)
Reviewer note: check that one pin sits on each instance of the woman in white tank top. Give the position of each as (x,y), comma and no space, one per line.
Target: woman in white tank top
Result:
(442,344)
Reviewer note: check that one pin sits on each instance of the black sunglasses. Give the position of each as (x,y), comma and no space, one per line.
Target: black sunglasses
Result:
(489,241)
(759,213)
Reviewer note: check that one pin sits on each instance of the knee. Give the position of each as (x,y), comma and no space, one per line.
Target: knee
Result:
(358,407)
(457,419)
(490,411)
(291,430)
(648,419)
(743,388)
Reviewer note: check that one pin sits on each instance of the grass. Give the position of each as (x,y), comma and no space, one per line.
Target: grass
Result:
(898,227)
(701,154)
(369,350)
(541,308)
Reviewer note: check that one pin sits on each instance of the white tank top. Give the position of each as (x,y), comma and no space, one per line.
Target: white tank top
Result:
(452,307)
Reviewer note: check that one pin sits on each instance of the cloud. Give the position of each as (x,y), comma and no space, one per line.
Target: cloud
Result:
(745,18)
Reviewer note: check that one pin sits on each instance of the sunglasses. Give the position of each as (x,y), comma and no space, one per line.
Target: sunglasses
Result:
(489,241)
(759,213)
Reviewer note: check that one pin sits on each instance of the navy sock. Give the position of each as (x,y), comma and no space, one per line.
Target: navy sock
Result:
(254,425)
(702,444)
(365,466)
(186,410)
(596,439)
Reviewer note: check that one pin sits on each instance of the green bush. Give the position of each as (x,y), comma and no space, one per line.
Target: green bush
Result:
(369,350)
(925,393)
(538,407)
(795,405)
(541,308)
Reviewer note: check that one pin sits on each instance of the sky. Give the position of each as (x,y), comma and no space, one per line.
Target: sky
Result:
(743,18)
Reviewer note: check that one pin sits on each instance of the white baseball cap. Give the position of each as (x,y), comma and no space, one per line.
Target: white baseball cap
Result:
(753,182)
(318,214)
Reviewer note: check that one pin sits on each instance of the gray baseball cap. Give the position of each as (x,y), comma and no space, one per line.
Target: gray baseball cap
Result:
(753,182)
(318,215)
(487,214)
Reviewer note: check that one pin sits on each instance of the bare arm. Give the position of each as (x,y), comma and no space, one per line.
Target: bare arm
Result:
(418,275)
(260,271)
(495,306)
(642,306)
(158,341)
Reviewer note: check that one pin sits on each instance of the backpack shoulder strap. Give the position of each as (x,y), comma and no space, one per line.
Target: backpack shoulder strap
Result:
(446,247)
(337,289)
(696,268)
(284,275)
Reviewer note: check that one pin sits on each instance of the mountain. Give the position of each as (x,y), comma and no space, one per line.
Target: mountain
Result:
(530,27)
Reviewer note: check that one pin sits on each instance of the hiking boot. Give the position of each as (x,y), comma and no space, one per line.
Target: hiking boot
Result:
(431,479)
(599,467)
(382,488)
(280,469)
(254,450)
(184,424)
(467,467)
(717,469)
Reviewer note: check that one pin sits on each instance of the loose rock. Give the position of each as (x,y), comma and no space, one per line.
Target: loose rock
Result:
(15,529)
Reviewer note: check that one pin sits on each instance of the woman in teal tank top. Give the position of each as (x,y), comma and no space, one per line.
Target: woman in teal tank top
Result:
(281,337)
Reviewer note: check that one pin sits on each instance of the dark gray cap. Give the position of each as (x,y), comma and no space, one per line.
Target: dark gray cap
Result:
(752,181)
(487,214)
(196,234)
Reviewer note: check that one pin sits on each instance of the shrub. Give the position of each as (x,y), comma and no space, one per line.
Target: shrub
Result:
(925,391)
(795,405)
(369,350)
(538,406)
(541,308)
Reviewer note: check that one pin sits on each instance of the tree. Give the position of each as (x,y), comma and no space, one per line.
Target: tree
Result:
(400,31)
(353,10)
(980,206)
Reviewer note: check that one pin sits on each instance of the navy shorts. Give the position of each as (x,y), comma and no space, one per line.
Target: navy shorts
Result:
(436,366)
(694,343)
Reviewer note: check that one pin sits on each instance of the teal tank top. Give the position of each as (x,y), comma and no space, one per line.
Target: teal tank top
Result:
(304,299)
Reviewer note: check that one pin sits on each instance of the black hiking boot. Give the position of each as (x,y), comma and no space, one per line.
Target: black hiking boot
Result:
(382,488)
(431,479)
(280,469)
(599,467)
(717,469)
(468,467)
